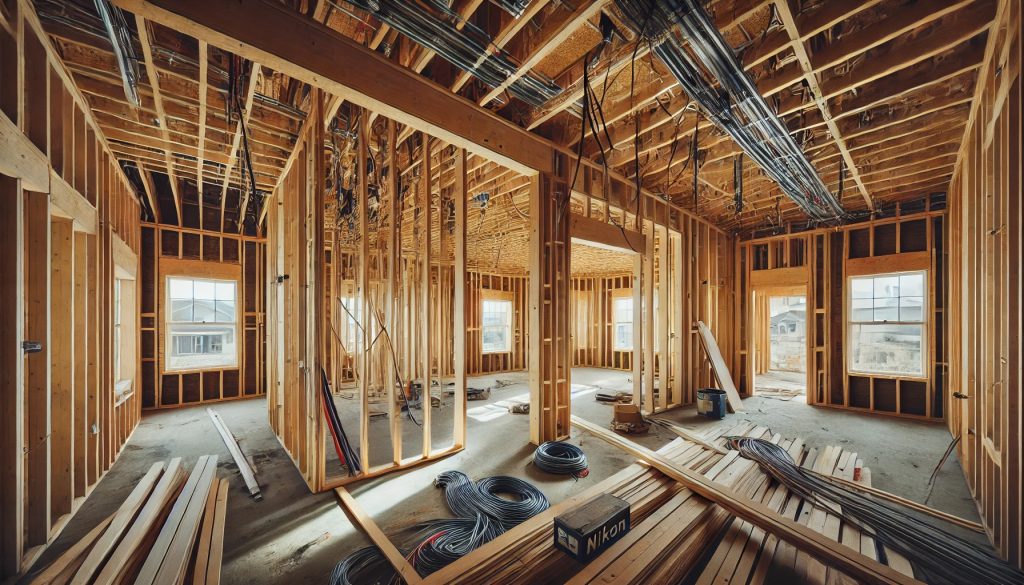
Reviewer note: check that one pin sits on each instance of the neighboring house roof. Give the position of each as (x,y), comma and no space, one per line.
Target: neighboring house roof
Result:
(789,317)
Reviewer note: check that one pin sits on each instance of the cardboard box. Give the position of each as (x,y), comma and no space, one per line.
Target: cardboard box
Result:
(586,531)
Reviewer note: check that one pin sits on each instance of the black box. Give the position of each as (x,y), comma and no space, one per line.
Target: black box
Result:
(586,531)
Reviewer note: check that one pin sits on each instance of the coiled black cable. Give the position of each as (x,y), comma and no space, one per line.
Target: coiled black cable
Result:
(467,499)
(445,541)
(561,458)
(366,565)
(510,512)
(937,555)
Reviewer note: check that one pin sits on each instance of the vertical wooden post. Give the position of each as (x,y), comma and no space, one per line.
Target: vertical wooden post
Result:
(663,325)
(394,265)
(62,255)
(459,280)
(647,343)
(425,324)
(81,372)
(363,283)
(549,352)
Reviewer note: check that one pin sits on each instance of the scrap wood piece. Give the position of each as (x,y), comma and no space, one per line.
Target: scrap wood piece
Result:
(206,534)
(399,562)
(236,453)
(735,403)
(845,559)
(121,522)
(179,551)
(64,566)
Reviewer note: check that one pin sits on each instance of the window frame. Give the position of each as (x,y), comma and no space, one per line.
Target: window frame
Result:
(491,296)
(203,271)
(923,323)
(124,321)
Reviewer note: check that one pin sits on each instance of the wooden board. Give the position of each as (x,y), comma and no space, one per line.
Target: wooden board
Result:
(721,370)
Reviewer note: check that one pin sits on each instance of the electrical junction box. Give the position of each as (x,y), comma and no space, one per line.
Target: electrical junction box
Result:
(586,531)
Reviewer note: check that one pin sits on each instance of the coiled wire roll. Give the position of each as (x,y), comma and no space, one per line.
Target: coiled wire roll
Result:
(445,541)
(561,458)
(467,499)
(366,565)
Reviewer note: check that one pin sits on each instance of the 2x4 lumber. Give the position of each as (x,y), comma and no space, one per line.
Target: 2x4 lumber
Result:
(118,525)
(236,453)
(719,367)
(204,65)
(397,560)
(460,195)
(425,350)
(213,566)
(393,303)
(68,203)
(202,555)
(173,567)
(202,474)
(21,159)
(154,83)
(811,78)
(363,283)
(131,548)
(814,544)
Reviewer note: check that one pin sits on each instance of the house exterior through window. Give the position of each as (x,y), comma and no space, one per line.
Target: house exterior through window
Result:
(202,324)
(496,322)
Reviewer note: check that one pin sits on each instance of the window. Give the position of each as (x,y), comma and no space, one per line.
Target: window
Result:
(351,334)
(202,324)
(496,324)
(622,315)
(123,332)
(887,324)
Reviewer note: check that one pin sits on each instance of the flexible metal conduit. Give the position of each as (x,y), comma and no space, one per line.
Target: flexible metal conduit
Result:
(735,106)
(121,39)
(469,49)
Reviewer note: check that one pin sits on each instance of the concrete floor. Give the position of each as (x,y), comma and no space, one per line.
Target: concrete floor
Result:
(294,537)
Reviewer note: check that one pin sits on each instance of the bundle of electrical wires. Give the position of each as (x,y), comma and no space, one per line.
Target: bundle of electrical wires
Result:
(435,26)
(561,458)
(467,499)
(445,541)
(937,555)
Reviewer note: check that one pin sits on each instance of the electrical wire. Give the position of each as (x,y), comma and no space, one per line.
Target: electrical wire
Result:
(366,565)
(561,458)
(939,556)
(467,499)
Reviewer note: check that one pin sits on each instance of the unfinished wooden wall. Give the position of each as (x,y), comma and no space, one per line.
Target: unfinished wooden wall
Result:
(207,252)
(69,224)
(984,326)
(515,286)
(819,263)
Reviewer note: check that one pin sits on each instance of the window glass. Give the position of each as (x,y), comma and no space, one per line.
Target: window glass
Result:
(622,313)
(496,326)
(201,324)
(886,327)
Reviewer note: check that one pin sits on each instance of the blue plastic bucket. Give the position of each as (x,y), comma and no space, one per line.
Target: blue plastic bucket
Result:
(711,402)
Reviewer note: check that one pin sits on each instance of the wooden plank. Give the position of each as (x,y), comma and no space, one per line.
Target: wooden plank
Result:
(149,570)
(118,525)
(61,342)
(71,558)
(21,159)
(401,565)
(172,569)
(236,453)
(68,203)
(601,234)
(817,545)
(460,195)
(217,538)
(202,554)
(718,366)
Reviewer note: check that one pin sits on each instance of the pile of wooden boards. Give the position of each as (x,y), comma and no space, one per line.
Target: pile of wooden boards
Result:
(679,535)
(170,529)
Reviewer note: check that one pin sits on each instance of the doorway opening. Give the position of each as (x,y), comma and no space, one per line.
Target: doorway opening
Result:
(781,365)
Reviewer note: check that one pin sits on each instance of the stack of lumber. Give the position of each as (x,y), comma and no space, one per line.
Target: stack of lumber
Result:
(169,530)
(679,535)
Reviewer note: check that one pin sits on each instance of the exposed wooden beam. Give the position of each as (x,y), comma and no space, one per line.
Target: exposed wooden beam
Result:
(563,25)
(789,22)
(240,127)
(154,83)
(147,186)
(204,65)
(503,36)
